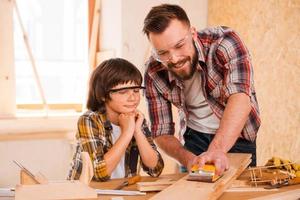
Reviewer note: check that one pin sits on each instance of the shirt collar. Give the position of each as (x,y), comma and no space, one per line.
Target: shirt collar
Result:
(200,50)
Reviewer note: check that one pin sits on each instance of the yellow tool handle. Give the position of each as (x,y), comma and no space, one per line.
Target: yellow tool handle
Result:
(294,181)
(206,167)
(134,179)
(129,181)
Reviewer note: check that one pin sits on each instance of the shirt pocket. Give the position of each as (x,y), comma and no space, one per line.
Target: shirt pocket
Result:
(216,93)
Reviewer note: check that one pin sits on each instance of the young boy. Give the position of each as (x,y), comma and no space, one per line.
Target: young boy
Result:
(113,131)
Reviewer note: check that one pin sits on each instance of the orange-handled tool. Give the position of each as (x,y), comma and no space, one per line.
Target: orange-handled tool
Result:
(129,181)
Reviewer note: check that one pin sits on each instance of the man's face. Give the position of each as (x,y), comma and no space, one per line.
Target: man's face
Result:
(175,49)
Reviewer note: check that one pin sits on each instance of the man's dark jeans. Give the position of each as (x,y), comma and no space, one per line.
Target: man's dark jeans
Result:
(198,143)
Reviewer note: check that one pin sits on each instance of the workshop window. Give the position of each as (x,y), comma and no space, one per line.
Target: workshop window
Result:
(57,32)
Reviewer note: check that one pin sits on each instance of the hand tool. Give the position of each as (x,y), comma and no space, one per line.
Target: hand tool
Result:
(203,174)
(23,168)
(129,181)
(286,182)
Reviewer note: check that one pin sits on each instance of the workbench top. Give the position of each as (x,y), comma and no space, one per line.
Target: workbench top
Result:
(111,184)
(226,196)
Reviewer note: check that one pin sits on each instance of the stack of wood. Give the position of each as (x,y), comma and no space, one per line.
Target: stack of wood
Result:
(276,173)
(285,165)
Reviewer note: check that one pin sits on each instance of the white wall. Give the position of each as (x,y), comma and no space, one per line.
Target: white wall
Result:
(122,23)
(50,157)
(197,12)
(111,26)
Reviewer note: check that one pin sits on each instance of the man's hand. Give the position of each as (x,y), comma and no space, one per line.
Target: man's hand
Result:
(174,148)
(216,157)
(189,160)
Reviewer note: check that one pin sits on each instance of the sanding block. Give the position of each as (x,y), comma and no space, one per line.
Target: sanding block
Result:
(203,174)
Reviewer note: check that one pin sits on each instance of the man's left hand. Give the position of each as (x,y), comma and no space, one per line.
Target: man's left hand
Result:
(216,157)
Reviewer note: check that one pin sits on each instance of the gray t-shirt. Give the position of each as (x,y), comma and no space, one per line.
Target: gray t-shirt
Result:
(200,115)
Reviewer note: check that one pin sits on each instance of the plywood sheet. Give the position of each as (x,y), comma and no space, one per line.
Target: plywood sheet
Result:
(184,189)
(275,51)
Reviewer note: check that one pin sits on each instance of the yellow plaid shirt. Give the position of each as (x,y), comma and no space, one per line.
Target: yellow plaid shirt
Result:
(94,136)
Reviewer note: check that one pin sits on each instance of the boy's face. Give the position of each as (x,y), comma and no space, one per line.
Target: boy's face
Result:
(175,49)
(124,98)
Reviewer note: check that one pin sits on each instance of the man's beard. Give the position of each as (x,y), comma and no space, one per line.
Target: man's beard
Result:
(192,66)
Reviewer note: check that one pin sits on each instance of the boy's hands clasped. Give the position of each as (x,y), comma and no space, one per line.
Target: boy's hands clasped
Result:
(131,123)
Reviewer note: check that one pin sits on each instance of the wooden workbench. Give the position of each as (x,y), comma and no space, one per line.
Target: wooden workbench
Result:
(111,184)
(226,196)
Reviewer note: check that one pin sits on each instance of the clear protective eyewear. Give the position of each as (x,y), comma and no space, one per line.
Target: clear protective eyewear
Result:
(127,91)
(164,56)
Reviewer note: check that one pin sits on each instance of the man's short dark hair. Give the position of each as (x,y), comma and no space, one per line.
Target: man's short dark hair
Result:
(107,75)
(159,17)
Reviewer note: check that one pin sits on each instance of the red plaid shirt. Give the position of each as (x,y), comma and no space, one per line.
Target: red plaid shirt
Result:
(225,69)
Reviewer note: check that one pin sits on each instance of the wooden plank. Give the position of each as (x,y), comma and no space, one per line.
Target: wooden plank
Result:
(240,183)
(10,128)
(289,195)
(87,171)
(250,189)
(55,190)
(91,9)
(183,189)
(26,179)
(94,35)
(54,106)
(158,185)
(38,136)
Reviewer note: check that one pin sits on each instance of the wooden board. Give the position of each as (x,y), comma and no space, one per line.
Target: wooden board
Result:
(289,195)
(94,35)
(158,185)
(55,190)
(184,189)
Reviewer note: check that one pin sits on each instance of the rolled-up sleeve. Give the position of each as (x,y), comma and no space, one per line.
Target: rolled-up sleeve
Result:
(234,56)
(155,171)
(235,60)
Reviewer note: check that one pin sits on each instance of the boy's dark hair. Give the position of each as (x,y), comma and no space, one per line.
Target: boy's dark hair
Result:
(108,74)
(159,17)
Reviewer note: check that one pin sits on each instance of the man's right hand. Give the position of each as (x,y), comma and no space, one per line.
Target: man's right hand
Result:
(189,160)
(172,146)
(216,157)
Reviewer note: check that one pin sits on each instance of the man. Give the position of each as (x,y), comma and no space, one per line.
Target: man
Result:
(208,76)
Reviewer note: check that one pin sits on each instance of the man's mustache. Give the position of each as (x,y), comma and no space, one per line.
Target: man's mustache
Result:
(179,63)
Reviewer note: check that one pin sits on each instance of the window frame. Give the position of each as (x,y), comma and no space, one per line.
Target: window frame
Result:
(77,107)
